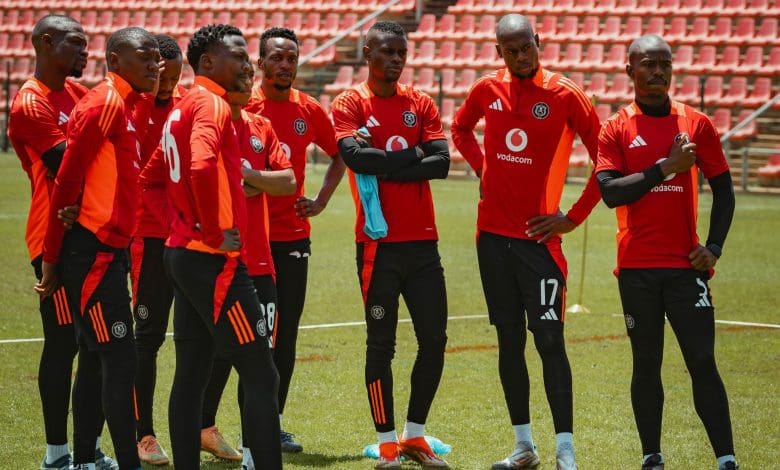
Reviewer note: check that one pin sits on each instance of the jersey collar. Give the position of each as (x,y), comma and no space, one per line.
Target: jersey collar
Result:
(120,84)
(366,92)
(678,108)
(210,85)
(538,78)
(257,94)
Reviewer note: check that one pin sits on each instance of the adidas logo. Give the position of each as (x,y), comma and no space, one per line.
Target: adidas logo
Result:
(637,142)
(372,122)
(63,118)
(703,303)
(549,315)
(497,105)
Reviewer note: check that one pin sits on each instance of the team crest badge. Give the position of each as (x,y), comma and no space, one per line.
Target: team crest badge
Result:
(540,110)
(143,312)
(630,323)
(256,143)
(682,138)
(377,312)
(299,126)
(119,330)
(410,119)
(261,327)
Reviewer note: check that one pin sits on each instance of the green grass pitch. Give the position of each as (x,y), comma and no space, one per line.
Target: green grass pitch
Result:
(328,410)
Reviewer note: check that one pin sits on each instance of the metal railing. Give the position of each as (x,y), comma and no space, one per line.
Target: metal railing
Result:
(359,25)
(725,140)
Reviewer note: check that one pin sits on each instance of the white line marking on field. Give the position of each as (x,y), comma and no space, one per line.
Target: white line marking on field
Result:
(732,322)
(304,327)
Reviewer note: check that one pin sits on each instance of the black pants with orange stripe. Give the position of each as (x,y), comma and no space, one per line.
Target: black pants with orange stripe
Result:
(216,312)
(56,366)
(95,278)
(412,270)
(152,299)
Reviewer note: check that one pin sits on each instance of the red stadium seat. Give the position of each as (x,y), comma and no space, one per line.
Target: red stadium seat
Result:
(590,29)
(760,94)
(424,54)
(470,6)
(330,27)
(276,20)
(754,59)
(646,7)
(579,156)
(544,7)
(21,69)
(678,30)
(170,22)
(425,81)
(253,47)
(241,21)
(767,31)
(464,81)
(736,94)
(656,25)
(445,55)
(744,32)
(503,7)
(668,7)
(700,30)
(447,80)
(425,29)
(773,63)
(97,46)
(689,7)
(633,29)
(604,111)
(138,18)
(721,119)
(444,28)
(721,32)
(551,54)
(578,78)
(616,59)
(153,21)
(564,6)
(611,30)
(594,58)
(583,7)
(572,58)
(759,7)
(713,90)
(121,20)
(734,7)
(568,30)
(729,61)
(465,29)
(88,20)
(750,130)
(620,90)
(603,7)
(327,56)
(688,91)
(343,80)
(548,29)
(447,111)
(225,17)
(360,76)
(487,57)
(769,174)
(597,86)
(683,59)
(625,7)
(705,61)
(711,7)
(325,103)
(18,46)
(466,55)
(486,30)
(104,20)
(294,21)
(205,18)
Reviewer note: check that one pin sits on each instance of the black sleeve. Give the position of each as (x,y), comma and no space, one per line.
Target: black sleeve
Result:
(618,190)
(53,157)
(723,204)
(434,165)
(371,161)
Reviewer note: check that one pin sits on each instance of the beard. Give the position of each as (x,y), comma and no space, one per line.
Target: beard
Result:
(281,87)
(76,73)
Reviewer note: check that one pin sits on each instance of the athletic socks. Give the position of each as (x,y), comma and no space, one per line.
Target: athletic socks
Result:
(523,433)
(564,443)
(54,452)
(389,436)
(647,456)
(246,461)
(413,430)
(726,458)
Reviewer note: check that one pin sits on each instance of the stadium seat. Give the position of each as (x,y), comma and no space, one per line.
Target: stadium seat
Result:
(548,28)
(750,130)
(425,28)
(425,81)
(444,56)
(761,7)
(678,30)
(760,94)
(656,25)
(752,62)
(572,58)
(721,119)
(253,47)
(503,7)
(463,84)
(700,30)
(729,61)
(590,29)
(689,7)
(325,102)
(97,46)
(88,20)
(327,56)
(342,81)
(769,174)
(668,7)
(713,90)
(402,7)
(466,55)
(593,59)
(486,30)
(551,54)
(721,31)
(711,7)
(241,21)
(683,59)
(568,29)
(170,22)
(767,31)
(470,6)
(604,111)
(360,76)
(705,61)
(424,54)
(632,29)
(465,29)
(21,69)
(447,111)
(616,59)
(153,21)
(773,63)
(744,31)
(736,93)
(444,28)
(578,78)
(688,91)
(487,57)
(625,7)
(734,7)
(619,91)
(294,21)
(646,7)
(256,24)
(447,80)
(407,76)
(597,86)
(603,7)
(579,156)
(611,30)
(18,46)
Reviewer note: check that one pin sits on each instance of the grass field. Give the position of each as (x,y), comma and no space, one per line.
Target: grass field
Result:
(328,410)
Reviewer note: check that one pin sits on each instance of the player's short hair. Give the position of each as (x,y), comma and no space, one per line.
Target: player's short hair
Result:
(59,22)
(123,37)
(205,38)
(275,32)
(169,48)
(391,27)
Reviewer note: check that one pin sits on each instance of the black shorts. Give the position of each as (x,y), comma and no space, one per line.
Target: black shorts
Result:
(214,297)
(152,290)
(266,295)
(56,316)
(522,276)
(95,278)
(648,295)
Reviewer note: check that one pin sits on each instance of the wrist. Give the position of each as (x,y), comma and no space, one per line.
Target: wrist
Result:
(715,249)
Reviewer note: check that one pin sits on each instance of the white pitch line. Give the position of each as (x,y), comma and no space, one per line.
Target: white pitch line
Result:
(304,327)
(732,322)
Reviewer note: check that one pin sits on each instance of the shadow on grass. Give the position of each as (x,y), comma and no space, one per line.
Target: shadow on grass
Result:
(320,460)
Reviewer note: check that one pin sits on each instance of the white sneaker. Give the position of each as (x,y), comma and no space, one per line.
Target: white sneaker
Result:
(524,456)
(565,461)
